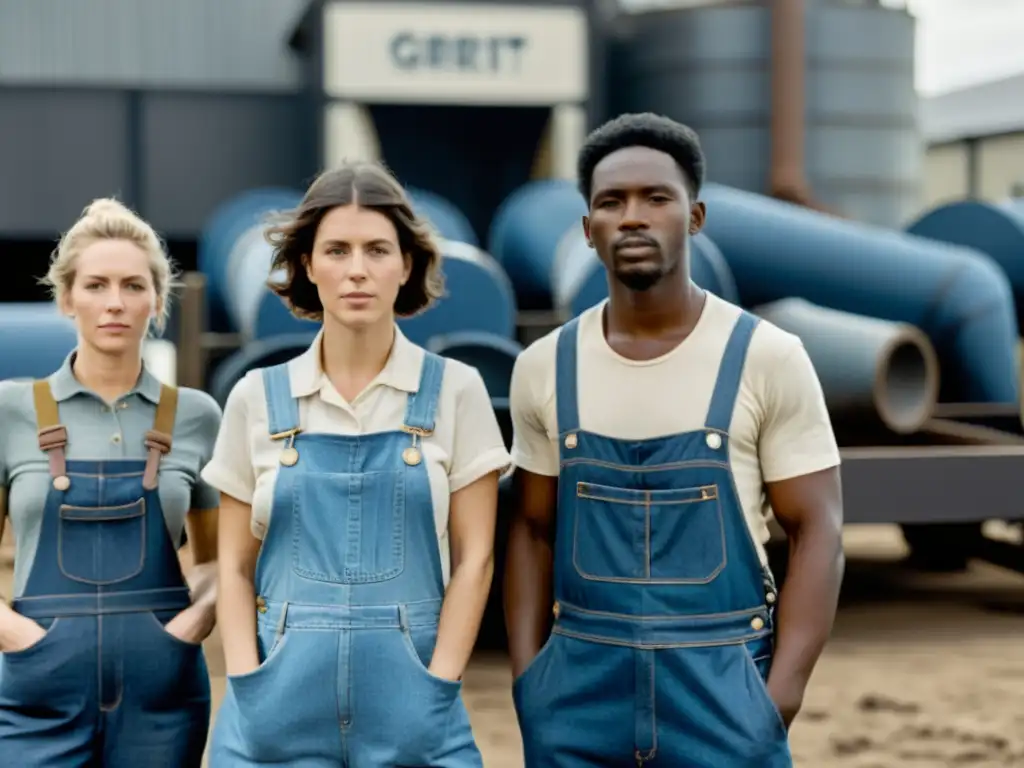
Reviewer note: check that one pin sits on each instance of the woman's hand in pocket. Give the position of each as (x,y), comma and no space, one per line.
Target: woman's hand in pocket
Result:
(18,633)
(193,625)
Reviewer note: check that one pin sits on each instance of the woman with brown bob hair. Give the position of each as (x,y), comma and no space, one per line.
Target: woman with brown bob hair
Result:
(359,488)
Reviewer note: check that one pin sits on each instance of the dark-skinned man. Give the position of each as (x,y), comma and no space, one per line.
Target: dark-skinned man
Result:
(652,435)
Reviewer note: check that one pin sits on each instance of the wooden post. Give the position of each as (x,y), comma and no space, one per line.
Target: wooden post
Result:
(191,323)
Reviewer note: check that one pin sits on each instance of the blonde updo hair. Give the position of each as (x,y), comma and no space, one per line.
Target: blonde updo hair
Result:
(109,219)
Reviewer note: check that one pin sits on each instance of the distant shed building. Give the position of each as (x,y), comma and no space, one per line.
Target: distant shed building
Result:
(975,140)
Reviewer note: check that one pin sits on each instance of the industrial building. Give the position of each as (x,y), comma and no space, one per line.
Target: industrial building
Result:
(205,115)
(975,142)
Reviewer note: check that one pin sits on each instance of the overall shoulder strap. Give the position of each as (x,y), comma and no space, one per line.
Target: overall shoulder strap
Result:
(52,435)
(730,373)
(160,438)
(421,407)
(282,408)
(566,378)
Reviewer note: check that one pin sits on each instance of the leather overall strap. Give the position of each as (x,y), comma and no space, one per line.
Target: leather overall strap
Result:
(159,438)
(53,436)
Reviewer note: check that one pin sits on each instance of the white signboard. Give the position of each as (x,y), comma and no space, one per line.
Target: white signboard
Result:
(424,53)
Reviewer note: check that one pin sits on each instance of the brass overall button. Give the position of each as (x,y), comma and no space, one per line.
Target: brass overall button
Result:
(571,441)
(61,482)
(757,623)
(714,441)
(261,604)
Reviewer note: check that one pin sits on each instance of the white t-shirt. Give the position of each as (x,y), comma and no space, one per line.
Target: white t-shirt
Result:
(780,426)
(466,444)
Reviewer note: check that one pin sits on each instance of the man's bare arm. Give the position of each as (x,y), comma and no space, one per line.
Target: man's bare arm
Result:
(810,510)
(529,566)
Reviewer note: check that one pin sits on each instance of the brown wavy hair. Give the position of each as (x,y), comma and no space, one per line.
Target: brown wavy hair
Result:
(371,186)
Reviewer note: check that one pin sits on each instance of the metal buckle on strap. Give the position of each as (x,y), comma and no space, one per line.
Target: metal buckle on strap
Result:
(53,437)
(413,455)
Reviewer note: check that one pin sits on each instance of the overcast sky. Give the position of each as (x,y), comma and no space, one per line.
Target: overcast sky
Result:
(961,42)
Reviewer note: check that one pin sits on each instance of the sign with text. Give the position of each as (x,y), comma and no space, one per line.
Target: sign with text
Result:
(401,53)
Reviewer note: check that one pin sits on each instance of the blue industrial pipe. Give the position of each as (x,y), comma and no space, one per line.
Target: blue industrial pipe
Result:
(493,356)
(478,297)
(261,353)
(448,221)
(34,339)
(579,281)
(958,296)
(234,254)
(997,230)
(526,232)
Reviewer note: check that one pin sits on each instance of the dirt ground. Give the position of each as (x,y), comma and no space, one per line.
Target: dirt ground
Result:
(923,671)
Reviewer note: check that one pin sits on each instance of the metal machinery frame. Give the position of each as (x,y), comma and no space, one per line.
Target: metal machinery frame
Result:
(961,470)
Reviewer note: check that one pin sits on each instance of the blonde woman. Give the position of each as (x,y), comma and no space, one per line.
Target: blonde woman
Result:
(101,661)
(360,485)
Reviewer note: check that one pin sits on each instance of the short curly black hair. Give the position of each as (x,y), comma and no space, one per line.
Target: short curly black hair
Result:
(644,129)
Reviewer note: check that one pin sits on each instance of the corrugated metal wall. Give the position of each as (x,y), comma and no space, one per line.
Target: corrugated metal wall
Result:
(194,44)
(173,156)
(864,147)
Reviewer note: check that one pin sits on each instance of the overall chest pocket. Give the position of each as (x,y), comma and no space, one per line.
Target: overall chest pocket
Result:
(349,528)
(102,545)
(672,536)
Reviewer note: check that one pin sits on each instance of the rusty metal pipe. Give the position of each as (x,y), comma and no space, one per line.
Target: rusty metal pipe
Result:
(787,179)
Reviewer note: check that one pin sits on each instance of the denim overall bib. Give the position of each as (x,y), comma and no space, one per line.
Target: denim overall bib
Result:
(106,686)
(349,590)
(663,631)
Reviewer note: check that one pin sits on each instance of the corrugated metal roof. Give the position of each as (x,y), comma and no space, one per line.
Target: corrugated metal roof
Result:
(974,112)
(208,44)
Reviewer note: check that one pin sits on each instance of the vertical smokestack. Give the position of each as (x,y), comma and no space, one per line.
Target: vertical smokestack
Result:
(787,179)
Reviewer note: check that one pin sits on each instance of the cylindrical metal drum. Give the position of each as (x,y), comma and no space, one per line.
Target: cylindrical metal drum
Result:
(34,339)
(527,230)
(478,297)
(448,221)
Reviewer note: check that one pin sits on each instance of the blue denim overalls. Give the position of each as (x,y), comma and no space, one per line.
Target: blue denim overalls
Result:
(107,686)
(663,631)
(349,591)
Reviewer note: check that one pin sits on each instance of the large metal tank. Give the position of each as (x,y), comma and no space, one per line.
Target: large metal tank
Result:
(711,68)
